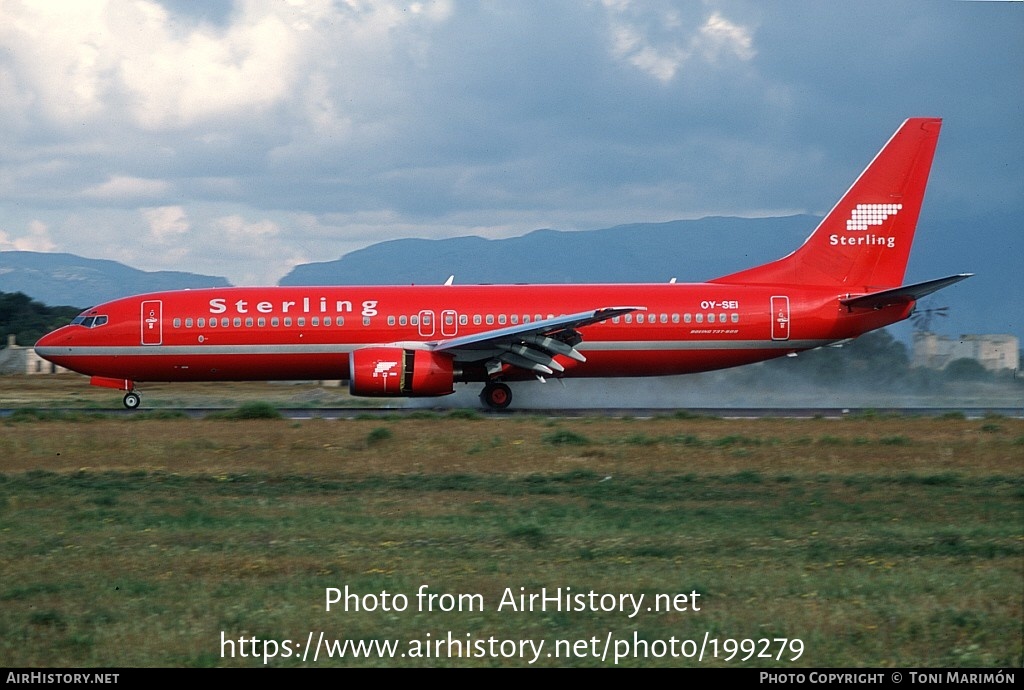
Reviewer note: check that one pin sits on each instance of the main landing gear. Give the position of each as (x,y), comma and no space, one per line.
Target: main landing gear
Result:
(132,400)
(496,395)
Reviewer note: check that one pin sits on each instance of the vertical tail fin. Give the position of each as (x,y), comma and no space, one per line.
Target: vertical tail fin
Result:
(864,242)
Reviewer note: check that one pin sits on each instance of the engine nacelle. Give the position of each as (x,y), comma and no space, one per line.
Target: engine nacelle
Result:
(394,371)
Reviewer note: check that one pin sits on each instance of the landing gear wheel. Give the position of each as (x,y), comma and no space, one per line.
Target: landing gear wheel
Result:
(132,400)
(496,396)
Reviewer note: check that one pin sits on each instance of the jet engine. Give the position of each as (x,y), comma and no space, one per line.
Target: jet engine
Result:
(395,371)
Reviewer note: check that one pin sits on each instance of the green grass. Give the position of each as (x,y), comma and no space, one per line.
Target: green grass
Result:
(254,555)
(249,410)
(141,543)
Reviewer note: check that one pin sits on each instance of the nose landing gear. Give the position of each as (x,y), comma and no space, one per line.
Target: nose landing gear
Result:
(132,400)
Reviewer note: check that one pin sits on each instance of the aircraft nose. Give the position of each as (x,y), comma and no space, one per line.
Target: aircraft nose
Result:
(49,345)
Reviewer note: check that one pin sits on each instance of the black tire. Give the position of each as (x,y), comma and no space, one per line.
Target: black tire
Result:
(132,400)
(496,396)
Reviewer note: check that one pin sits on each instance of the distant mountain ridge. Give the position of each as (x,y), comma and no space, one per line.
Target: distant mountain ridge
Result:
(67,279)
(691,251)
(643,252)
(688,250)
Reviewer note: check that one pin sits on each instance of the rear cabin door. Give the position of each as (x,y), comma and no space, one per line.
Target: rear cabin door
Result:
(780,318)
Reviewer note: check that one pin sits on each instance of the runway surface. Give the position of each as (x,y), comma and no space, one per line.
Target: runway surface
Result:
(298,413)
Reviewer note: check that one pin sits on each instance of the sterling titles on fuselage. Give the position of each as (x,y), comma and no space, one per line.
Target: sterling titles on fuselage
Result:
(307,305)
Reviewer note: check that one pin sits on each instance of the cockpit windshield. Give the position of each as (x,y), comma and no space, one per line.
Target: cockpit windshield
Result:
(89,321)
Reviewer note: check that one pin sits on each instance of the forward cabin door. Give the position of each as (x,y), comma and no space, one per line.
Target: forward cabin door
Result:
(152,322)
(780,318)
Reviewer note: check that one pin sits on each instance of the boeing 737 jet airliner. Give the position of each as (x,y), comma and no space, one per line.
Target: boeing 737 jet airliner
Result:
(846,279)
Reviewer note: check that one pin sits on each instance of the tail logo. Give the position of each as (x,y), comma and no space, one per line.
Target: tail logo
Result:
(866,215)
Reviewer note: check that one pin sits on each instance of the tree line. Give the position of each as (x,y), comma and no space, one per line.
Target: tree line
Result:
(29,320)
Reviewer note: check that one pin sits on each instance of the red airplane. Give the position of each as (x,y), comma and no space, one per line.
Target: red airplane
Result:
(394,341)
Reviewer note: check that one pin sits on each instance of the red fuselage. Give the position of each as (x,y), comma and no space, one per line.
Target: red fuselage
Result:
(845,280)
(307,333)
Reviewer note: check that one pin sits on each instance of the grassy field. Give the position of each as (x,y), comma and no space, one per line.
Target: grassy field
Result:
(163,541)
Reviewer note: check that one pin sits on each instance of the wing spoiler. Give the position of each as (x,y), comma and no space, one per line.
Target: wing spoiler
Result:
(537,328)
(530,346)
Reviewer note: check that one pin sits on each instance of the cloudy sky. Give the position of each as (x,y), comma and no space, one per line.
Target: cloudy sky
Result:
(241,138)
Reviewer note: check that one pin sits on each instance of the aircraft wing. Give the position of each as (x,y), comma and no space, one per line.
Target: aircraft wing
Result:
(531,346)
(902,295)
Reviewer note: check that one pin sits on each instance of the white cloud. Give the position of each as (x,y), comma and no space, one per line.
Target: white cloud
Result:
(37,240)
(124,188)
(76,62)
(166,223)
(57,59)
(178,80)
(719,35)
(238,229)
(661,63)
(659,42)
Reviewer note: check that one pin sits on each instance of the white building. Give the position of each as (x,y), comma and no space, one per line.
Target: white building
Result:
(20,359)
(994,352)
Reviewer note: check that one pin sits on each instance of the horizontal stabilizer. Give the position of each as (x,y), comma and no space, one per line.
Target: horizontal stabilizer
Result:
(902,295)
